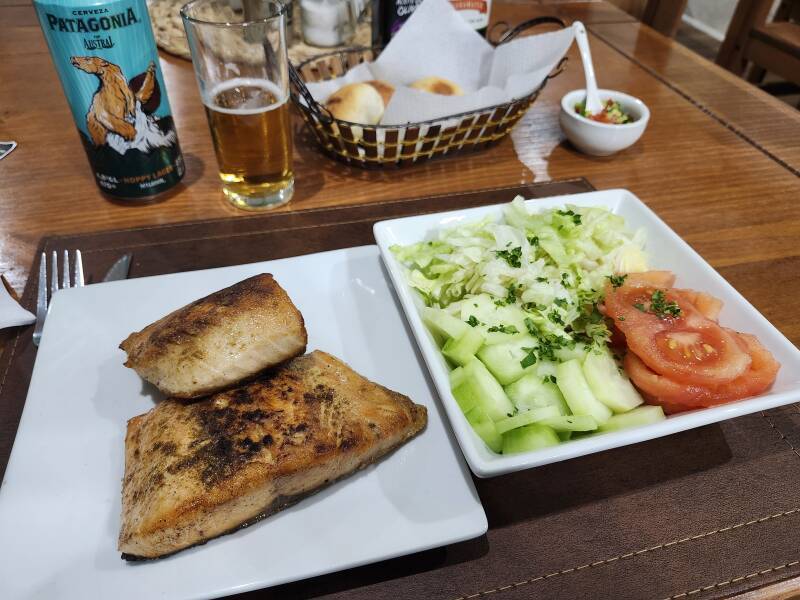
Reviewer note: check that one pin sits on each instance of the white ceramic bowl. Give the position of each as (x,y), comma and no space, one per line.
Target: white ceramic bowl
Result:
(602,139)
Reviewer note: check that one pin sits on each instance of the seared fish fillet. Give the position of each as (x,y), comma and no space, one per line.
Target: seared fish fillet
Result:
(218,340)
(196,471)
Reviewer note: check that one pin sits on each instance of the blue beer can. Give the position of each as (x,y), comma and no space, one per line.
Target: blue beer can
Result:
(107,61)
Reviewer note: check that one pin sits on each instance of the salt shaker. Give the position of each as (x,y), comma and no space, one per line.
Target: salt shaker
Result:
(328,22)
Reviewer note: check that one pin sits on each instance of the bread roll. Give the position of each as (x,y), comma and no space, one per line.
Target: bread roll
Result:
(438,85)
(360,102)
(384,89)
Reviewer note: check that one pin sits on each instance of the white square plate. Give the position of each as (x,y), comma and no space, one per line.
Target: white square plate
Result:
(665,250)
(60,502)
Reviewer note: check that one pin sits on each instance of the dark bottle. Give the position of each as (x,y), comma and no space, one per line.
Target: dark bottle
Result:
(388,16)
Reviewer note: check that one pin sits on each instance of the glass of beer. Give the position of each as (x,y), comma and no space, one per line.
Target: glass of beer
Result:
(239,54)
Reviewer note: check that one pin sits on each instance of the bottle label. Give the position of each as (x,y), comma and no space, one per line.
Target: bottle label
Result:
(399,12)
(474,12)
(106,58)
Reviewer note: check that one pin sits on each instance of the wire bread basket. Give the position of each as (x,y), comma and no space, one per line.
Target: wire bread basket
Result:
(377,146)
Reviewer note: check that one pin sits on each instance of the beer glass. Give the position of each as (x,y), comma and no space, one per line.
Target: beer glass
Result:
(239,54)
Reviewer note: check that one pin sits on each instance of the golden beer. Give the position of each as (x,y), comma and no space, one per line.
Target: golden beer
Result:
(250,127)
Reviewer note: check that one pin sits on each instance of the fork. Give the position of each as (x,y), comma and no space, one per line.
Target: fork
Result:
(42,303)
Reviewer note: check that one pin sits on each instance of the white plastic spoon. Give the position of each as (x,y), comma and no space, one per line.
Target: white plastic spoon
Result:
(593,104)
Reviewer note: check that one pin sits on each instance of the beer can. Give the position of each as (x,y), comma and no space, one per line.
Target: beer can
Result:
(107,61)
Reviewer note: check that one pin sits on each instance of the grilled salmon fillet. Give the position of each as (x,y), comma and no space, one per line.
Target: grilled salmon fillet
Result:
(197,471)
(217,341)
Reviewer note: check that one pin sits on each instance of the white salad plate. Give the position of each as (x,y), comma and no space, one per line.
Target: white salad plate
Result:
(665,250)
(60,501)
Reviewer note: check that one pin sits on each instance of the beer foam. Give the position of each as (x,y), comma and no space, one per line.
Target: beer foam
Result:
(264,84)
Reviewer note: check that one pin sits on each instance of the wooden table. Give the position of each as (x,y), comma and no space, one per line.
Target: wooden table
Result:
(698,133)
(719,162)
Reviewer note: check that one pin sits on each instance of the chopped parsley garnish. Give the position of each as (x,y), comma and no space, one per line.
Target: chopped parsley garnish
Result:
(562,302)
(620,318)
(576,218)
(511,298)
(530,358)
(510,329)
(550,343)
(663,308)
(660,306)
(555,317)
(513,257)
(550,378)
(616,280)
(533,241)
(531,326)
(472,321)
(541,279)
(499,302)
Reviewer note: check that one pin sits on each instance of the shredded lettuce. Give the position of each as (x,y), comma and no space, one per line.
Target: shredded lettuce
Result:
(551,264)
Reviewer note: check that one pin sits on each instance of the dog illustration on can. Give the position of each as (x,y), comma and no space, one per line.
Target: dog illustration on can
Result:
(120,113)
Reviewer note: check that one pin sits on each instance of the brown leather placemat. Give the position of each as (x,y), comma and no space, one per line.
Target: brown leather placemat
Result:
(705,513)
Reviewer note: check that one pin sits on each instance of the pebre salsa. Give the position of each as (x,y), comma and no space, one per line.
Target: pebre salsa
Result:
(611,113)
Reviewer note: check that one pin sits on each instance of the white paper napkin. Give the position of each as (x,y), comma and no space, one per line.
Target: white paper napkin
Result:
(437,41)
(11,313)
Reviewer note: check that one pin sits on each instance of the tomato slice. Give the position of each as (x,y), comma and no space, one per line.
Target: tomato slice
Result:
(672,337)
(661,387)
(706,304)
(670,408)
(675,396)
(660,279)
(617,338)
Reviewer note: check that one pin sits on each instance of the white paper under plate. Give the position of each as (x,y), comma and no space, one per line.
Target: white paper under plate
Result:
(60,502)
(666,250)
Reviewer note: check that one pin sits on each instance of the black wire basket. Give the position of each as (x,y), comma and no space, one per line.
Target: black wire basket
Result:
(376,146)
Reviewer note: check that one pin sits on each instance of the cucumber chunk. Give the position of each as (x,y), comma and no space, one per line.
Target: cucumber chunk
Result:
(489,315)
(564,436)
(608,385)
(545,368)
(577,393)
(503,360)
(579,351)
(462,349)
(442,324)
(529,437)
(464,393)
(531,391)
(482,307)
(570,423)
(457,376)
(485,428)
(643,415)
(483,389)
(527,417)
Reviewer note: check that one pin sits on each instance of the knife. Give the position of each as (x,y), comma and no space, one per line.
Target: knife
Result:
(119,270)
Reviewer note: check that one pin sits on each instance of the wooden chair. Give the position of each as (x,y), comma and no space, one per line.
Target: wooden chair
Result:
(764,46)
(662,15)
